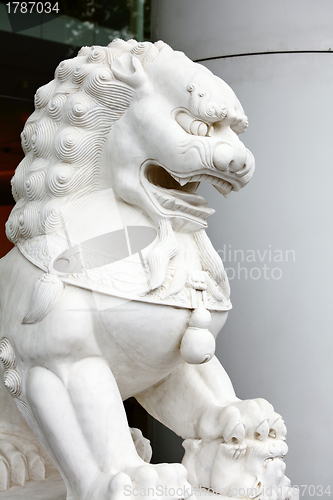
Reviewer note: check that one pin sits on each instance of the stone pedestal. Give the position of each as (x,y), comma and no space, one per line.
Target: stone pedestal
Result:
(53,488)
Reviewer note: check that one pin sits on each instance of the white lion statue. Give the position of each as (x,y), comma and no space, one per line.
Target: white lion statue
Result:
(114,290)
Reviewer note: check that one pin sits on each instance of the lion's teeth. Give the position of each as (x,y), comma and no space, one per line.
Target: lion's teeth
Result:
(210,179)
(177,205)
(221,183)
(225,190)
(195,178)
(181,180)
(207,213)
(168,203)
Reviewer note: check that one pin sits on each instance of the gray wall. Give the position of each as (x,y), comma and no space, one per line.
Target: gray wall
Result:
(277,343)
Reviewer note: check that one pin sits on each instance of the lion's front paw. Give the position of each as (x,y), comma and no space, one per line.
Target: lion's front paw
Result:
(252,419)
(143,481)
(253,469)
(260,419)
(240,451)
(19,462)
(165,481)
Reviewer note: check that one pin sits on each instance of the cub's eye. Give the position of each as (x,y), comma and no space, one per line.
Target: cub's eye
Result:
(193,127)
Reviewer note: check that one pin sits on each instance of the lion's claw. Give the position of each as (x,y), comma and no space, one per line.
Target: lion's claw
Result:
(249,419)
(120,483)
(261,421)
(278,429)
(146,476)
(236,435)
(4,474)
(19,462)
(36,466)
(170,478)
(262,431)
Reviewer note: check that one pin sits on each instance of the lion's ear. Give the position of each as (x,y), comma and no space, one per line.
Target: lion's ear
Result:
(128,69)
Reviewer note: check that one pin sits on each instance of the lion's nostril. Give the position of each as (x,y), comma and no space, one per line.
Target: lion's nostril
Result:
(235,166)
(223,156)
(230,156)
(239,158)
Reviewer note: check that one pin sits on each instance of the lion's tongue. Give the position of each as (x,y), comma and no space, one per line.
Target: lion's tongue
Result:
(191,198)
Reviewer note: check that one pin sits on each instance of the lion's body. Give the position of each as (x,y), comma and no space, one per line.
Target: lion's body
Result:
(119,142)
(139,353)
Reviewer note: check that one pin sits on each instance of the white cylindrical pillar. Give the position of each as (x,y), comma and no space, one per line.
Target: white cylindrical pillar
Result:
(275,236)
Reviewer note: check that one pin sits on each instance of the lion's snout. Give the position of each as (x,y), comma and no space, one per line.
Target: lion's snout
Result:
(236,161)
(229,157)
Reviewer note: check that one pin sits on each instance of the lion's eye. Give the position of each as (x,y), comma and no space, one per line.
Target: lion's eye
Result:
(193,127)
(198,128)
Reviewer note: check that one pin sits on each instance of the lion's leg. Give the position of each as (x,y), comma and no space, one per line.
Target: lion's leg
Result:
(226,440)
(184,396)
(196,400)
(82,422)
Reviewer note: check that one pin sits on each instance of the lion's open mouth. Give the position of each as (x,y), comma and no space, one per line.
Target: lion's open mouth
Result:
(173,193)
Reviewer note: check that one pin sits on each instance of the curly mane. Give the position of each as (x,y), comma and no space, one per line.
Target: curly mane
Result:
(64,138)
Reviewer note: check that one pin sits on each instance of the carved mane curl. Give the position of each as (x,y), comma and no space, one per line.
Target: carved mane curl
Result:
(64,138)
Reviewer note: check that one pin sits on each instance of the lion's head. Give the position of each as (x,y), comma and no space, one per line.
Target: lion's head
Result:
(137,117)
(181,129)
(142,120)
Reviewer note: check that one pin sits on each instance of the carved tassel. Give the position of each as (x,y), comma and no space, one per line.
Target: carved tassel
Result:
(198,344)
(211,261)
(47,292)
(177,283)
(161,255)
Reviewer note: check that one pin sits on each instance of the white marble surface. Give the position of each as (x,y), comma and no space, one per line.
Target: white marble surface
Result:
(51,488)
(121,139)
